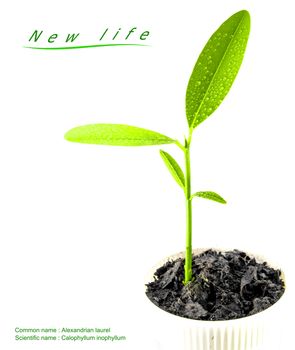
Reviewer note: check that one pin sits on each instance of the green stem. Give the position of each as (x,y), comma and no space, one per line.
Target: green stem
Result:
(188,200)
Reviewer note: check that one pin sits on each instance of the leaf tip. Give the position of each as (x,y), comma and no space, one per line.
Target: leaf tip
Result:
(67,135)
(246,13)
(245,16)
(72,135)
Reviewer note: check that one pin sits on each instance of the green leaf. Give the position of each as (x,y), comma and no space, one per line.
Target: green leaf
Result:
(216,68)
(116,135)
(173,167)
(210,195)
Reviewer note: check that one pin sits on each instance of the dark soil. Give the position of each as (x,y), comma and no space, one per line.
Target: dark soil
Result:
(225,286)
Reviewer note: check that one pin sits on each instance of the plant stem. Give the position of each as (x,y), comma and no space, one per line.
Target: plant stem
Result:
(188,200)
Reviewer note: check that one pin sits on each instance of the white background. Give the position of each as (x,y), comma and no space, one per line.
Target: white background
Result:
(82,224)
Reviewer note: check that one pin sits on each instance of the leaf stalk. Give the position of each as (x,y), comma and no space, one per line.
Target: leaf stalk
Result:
(180,145)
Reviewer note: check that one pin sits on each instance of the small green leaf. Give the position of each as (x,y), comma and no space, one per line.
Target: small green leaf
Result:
(216,68)
(116,135)
(173,167)
(210,195)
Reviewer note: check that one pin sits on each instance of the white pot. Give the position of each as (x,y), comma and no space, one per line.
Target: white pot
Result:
(261,331)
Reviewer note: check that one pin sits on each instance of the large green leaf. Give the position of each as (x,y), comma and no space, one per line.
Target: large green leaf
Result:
(174,168)
(216,68)
(116,135)
(210,195)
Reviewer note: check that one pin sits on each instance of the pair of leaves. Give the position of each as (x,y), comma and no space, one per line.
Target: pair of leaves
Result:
(178,175)
(125,135)
(210,81)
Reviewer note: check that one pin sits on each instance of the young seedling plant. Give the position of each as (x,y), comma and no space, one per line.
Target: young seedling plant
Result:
(210,81)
